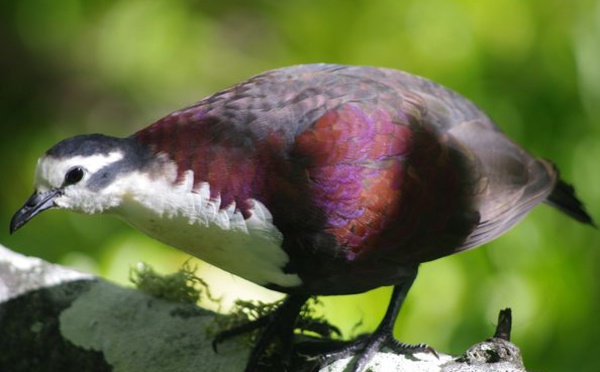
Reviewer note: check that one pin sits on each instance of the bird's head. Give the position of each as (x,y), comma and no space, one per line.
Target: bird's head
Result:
(81,174)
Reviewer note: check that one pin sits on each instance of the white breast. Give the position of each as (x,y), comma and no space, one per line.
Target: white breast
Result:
(189,220)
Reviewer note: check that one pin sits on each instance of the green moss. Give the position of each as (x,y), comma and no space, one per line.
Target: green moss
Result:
(182,286)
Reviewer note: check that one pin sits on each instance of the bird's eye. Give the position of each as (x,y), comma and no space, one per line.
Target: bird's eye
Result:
(73,176)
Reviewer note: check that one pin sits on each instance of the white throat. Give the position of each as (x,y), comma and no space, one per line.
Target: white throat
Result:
(188,219)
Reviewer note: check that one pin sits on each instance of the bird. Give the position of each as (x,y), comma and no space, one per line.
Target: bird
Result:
(311,180)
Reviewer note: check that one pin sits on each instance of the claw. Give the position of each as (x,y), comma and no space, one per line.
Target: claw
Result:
(402,348)
(368,346)
(378,342)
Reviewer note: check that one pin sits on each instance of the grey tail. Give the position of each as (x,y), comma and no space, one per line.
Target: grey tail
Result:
(563,197)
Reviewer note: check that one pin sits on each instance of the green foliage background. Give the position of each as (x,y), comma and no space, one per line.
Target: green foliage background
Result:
(79,66)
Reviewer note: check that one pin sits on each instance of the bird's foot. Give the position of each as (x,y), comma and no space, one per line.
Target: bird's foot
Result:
(365,347)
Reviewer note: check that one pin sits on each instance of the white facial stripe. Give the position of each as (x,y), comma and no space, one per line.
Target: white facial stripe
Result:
(50,172)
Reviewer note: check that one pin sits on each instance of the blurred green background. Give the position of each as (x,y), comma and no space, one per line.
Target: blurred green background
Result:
(80,66)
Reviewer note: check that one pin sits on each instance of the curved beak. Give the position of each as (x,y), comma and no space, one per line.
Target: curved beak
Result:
(38,202)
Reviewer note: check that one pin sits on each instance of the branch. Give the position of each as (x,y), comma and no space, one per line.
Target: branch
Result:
(56,319)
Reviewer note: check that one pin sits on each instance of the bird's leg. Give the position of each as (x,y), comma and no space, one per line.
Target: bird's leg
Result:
(367,346)
(280,323)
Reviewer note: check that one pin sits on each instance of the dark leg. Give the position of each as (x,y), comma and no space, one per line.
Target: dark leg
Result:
(280,323)
(383,336)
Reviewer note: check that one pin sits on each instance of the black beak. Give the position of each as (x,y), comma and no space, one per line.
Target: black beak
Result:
(38,202)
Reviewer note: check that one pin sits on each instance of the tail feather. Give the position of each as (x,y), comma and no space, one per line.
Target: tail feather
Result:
(563,197)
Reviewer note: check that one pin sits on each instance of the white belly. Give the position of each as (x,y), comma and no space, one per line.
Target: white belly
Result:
(191,222)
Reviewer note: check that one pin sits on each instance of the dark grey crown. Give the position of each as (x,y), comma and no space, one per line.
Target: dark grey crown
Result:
(87,145)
